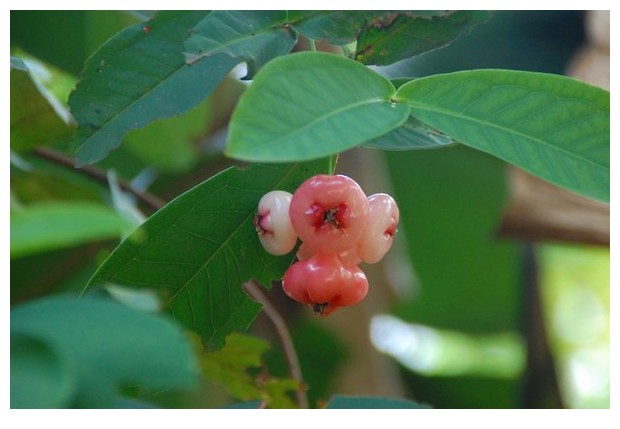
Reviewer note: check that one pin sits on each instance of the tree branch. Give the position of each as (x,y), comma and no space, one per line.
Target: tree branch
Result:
(150,200)
(254,290)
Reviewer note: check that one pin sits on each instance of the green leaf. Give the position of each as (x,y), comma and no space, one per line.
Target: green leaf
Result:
(228,366)
(46,226)
(138,76)
(200,248)
(251,36)
(338,27)
(341,27)
(107,345)
(399,35)
(413,134)
(371,402)
(552,126)
(39,377)
(232,367)
(37,117)
(309,105)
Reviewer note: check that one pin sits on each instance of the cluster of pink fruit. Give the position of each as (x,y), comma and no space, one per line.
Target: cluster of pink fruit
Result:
(339,227)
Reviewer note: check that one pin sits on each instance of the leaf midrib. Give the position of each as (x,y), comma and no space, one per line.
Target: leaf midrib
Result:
(319,119)
(474,119)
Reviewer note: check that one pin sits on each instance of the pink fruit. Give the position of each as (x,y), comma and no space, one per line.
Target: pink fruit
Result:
(324,283)
(329,213)
(273,223)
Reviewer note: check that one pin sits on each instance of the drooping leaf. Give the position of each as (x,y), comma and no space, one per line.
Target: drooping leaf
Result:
(200,248)
(46,226)
(39,377)
(371,402)
(251,36)
(138,76)
(552,126)
(37,117)
(106,345)
(399,35)
(309,105)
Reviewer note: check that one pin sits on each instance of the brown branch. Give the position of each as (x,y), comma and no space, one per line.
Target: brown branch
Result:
(254,290)
(150,200)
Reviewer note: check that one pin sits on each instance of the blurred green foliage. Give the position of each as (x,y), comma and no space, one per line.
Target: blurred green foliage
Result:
(469,280)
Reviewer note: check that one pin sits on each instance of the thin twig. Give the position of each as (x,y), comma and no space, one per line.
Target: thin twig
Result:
(150,200)
(254,290)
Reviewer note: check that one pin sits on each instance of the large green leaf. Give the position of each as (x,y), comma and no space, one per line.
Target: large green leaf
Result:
(103,345)
(37,118)
(309,105)
(251,36)
(399,35)
(371,402)
(46,226)
(201,247)
(553,126)
(39,377)
(138,76)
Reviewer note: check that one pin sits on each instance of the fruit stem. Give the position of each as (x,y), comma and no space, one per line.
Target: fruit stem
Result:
(253,288)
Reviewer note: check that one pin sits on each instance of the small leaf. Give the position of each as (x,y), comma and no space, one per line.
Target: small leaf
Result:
(37,118)
(46,226)
(229,365)
(200,248)
(399,35)
(251,36)
(552,126)
(371,402)
(232,368)
(309,105)
(39,377)
(139,76)
(107,345)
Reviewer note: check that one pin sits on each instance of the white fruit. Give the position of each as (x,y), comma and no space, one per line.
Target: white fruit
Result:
(380,229)
(273,223)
